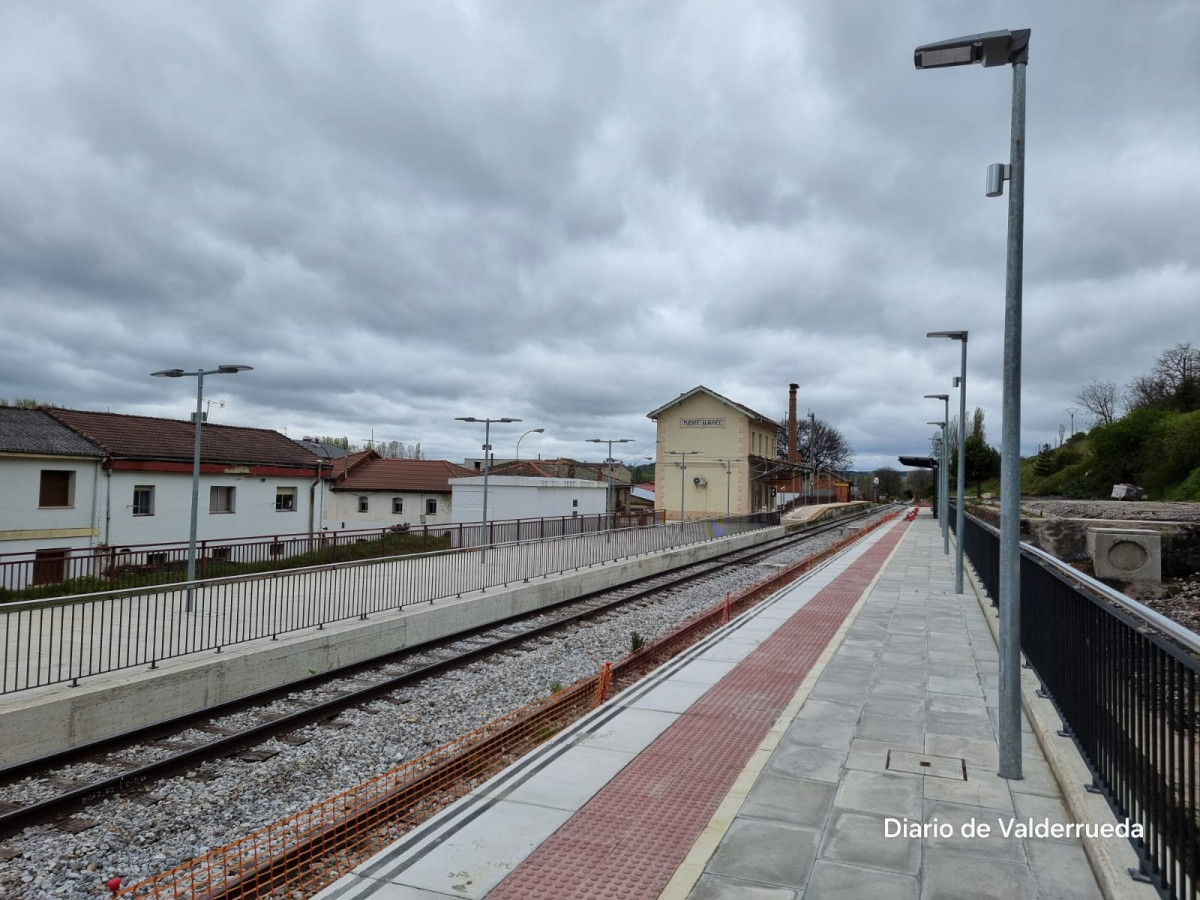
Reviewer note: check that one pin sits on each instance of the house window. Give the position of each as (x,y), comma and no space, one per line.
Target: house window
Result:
(221,499)
(143,499)
(364,503)
(397,505)
(285,499)
(431,507)
(57,488)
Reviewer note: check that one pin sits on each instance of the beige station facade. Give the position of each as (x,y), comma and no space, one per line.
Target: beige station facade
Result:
(731,459)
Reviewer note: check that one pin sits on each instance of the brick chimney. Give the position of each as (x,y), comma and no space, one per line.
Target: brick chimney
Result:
(792,449)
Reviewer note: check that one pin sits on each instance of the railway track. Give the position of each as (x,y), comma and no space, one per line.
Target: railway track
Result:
(134,761)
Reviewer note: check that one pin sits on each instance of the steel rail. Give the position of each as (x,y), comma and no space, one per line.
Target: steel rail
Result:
(73,801)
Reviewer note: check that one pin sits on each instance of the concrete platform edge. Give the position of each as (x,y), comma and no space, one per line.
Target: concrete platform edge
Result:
(55,717)
(1110,858)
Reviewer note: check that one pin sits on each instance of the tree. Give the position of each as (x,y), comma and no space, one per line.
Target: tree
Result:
(982,460)
(1174,384)
(820,445)
(1100,399)
(891,482)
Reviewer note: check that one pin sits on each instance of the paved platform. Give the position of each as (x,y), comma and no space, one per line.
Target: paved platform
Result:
(835,741)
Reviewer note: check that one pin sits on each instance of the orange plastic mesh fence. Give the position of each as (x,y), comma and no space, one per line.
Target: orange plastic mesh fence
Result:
(298,856)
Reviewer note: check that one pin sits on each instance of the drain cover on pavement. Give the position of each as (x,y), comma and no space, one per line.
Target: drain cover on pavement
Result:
(923,764)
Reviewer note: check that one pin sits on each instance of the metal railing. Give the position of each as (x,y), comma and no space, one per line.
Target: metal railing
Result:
(1126,682)
(42,573)
(309,850)
(68,638)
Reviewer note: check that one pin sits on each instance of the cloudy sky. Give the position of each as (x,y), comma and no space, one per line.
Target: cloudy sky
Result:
(569,212)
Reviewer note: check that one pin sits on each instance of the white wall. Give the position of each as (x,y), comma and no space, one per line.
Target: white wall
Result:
(515,497)
(23,525)
(254,507)
(341,509)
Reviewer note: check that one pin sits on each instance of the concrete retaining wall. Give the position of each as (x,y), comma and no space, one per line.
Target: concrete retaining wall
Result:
(48,719)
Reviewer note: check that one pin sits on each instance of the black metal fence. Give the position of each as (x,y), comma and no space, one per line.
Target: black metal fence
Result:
(1125,682)
(68,638)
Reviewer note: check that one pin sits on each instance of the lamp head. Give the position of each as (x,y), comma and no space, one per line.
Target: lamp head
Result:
(992,48)
(937,396)
(168,373)
(233,370)
(953,335)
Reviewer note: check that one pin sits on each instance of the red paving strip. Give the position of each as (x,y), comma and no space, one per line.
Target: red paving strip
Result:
(629,839)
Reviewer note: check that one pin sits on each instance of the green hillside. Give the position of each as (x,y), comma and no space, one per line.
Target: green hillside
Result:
(1158,450)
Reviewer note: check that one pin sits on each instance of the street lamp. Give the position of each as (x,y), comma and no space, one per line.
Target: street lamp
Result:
(610,442)
(487,455)
(944,475)
(997,48)
(812,454)
(683,455)
(960,382)
(1070,411)
(522,437)
(199,376)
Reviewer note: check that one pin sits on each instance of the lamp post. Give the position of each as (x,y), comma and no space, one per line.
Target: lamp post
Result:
(487,456)
(199,376)
(610,442)
(997,48)
(683,455)
(941,495)
(1070,411)
(944,474)
(522,437)
(961,383)
(812,453)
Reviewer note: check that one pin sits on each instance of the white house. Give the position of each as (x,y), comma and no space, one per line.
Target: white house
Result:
(48,478)
(519,497)
(367,491)
(253,481)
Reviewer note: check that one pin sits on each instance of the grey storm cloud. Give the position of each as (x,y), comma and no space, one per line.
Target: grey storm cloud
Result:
(569,213)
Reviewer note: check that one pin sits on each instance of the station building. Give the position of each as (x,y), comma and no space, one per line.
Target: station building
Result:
(717,456)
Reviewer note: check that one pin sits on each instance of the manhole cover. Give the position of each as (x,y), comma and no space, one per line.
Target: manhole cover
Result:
(923,764)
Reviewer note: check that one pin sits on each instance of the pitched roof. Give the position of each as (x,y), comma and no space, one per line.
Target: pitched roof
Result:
(540,468)
(744,410)
(431,475)
(24,430)
(323,449)
(145,437)
(344,464)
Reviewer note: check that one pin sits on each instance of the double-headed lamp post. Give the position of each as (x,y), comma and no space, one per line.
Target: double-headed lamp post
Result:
(610,442)
(487,458)
(199,376)
(998,48)
(944,474)
(525,435)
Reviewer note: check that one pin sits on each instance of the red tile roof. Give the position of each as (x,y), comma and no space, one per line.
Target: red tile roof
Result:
(428,475)
(539,468)
(144,437)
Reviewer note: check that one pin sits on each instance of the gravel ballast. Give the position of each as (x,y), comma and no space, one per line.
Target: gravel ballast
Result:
(141,835)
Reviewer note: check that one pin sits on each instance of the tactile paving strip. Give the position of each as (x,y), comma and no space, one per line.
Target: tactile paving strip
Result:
(629,839)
